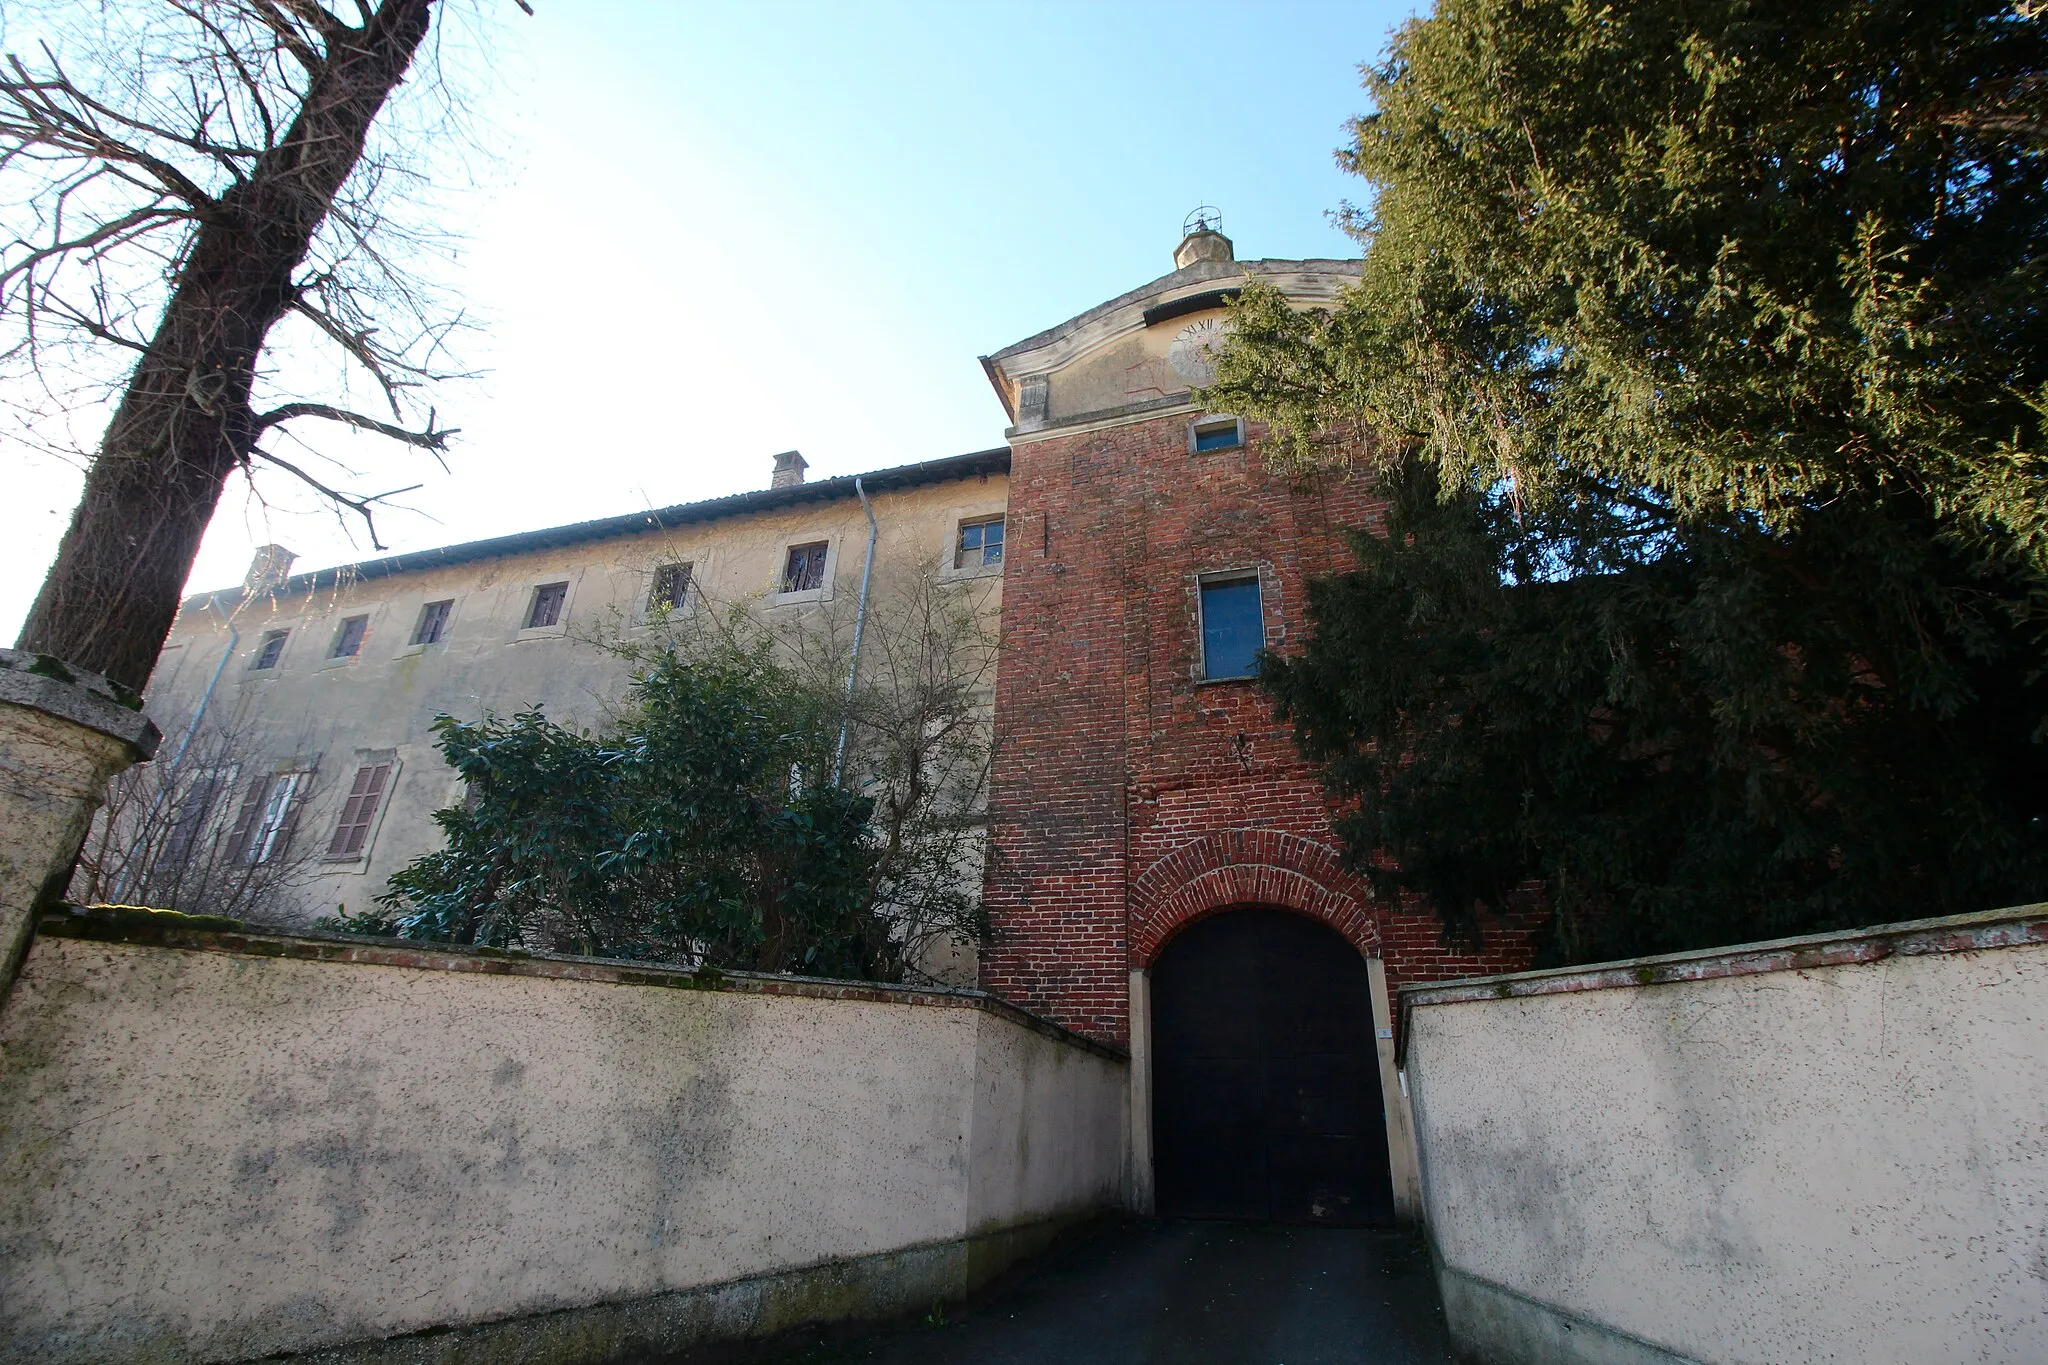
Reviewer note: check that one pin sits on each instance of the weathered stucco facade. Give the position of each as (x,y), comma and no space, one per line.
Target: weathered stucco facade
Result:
(291,703)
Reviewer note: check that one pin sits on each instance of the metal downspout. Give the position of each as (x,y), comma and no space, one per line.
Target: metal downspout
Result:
(860,621)
(199,713)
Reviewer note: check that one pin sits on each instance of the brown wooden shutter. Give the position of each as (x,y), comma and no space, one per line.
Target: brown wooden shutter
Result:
(359,810)
(253,802)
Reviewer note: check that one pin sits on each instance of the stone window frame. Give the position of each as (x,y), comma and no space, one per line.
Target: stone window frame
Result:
(283,636)
(981,509)
(823,592)
(632,584)
(454,601)
(370,617)
(684,606)
(1214,422)
(1272,629)
(571,579)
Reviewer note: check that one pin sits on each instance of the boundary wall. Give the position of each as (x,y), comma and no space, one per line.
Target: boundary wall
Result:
(222,1144)
(1822,1148)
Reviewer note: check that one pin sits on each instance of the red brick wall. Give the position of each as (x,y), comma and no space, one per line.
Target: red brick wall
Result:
(1128,798)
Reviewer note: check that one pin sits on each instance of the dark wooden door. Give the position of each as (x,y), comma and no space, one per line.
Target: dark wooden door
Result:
(1265,1082)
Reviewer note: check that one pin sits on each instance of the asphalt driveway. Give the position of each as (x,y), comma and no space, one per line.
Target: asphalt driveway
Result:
(1186,1293)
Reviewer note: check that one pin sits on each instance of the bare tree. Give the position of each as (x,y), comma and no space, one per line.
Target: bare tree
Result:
(192,173)
(211,828)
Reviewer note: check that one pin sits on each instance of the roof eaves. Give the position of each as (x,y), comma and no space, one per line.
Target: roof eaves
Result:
(994,460)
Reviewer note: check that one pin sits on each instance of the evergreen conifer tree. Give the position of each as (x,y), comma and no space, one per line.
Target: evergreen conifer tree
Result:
(1702,349)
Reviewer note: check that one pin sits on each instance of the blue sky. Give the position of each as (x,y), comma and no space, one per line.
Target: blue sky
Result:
(709,232)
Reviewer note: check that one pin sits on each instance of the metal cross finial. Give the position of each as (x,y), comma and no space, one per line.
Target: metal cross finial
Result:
(1205,218)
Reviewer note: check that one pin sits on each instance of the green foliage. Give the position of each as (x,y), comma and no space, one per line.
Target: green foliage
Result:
(1755,257)
(700,828)
(1702,347)
(1623,719)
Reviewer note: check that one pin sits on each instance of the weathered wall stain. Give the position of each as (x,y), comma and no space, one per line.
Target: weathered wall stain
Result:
(1833,1148)
(233,1148)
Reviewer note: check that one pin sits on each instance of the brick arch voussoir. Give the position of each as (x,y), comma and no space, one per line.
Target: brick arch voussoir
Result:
(1246,884)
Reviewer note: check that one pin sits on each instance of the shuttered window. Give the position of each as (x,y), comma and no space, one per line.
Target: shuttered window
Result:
(194,811)
(359,811)
(805,568)
(546,610)
(348,641)
(433,620)
(270,809)
(671,586)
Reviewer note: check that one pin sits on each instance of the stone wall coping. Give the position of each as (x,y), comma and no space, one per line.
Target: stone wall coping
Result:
(44,683)
(2015,926)
(216,934)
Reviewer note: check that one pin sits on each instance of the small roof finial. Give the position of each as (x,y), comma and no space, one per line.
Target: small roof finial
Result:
(1201,239)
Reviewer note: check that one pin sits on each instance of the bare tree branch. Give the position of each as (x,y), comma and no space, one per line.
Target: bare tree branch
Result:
(103,233)
(432,438)
(363,506)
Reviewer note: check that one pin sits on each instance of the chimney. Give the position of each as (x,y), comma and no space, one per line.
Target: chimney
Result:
(270,567)
(1204,243)
(789,470)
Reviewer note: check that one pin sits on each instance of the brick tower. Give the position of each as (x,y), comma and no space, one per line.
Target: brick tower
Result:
(1143,783)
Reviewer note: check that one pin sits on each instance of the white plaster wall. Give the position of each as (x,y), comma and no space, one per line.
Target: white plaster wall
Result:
(1847,1163)
(219,1156)
(1048,1127)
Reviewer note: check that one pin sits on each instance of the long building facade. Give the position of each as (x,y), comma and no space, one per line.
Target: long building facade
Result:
(1160,872)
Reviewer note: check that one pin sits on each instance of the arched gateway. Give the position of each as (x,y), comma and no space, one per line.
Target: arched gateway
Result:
(1266,1098)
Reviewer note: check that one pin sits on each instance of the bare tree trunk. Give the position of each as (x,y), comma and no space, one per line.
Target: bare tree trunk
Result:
(185,422)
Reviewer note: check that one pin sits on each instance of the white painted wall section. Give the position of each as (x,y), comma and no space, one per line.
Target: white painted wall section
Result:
(220,1154)
(1828,1149)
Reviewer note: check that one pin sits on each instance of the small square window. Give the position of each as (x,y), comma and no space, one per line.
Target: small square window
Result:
(980,545)
(546,608)
(670,587)
(1217,433)
(271,649)
(1233,627)
(805,568)
(348,641)
(433,621)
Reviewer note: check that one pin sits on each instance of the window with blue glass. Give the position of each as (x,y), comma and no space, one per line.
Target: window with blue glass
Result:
(1233,627)
(1216,433)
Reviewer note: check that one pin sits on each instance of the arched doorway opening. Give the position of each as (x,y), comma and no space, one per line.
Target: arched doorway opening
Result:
(1266,1093)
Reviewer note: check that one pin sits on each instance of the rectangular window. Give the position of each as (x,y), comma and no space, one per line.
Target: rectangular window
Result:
(805,569)
(1222,433)
(194,813)
(352,831)
(546,608)
(1233,627)
(981,544)
(433,621)
(272,647)
(348,641)
(269,810)
(671,585)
